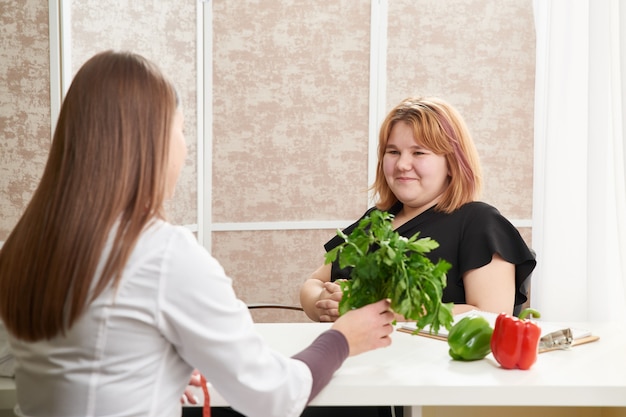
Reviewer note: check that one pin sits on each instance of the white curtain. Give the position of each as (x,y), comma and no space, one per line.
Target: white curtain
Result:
(579,201)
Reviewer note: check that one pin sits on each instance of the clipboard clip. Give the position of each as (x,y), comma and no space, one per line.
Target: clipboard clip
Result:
(560,339)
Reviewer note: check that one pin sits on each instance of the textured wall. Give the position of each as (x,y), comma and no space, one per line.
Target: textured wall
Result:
(290,135)
(24,105)
(269,266)
(291,94)
(290,108)
(164,32)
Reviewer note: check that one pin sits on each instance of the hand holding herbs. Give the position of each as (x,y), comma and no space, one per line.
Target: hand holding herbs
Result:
(387,265)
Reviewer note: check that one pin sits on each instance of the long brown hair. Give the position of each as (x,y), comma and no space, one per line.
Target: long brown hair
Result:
(441,129)
(105,175)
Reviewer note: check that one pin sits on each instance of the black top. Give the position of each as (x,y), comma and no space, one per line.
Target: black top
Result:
(468,238)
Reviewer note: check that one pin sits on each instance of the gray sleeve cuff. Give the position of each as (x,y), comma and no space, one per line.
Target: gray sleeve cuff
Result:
(323,357)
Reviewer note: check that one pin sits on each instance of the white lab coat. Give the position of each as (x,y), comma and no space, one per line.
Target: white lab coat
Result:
(133,351)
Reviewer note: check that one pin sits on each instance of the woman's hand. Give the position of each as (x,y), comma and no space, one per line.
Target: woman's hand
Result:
(320,297)
(328,304)
(188,396)
(367,328)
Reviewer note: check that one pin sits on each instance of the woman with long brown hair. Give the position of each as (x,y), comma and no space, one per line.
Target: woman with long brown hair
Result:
(109,308)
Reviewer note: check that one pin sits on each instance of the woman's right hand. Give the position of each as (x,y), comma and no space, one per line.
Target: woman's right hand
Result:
(367,328)
(328,304)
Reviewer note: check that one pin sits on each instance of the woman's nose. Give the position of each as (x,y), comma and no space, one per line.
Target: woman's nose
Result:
(404,161)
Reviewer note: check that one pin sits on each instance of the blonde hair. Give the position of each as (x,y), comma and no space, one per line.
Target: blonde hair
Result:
(441,129)
(106,172)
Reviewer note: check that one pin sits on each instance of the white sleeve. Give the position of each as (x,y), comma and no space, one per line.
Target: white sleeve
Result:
(213,332)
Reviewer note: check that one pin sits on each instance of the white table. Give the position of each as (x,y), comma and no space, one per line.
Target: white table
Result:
(416,371)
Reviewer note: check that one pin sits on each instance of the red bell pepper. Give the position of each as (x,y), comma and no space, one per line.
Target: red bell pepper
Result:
(515,341)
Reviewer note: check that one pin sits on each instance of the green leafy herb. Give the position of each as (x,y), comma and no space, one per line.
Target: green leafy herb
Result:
(387,265)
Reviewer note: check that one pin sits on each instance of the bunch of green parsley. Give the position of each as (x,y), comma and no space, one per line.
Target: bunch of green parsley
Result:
(387,265)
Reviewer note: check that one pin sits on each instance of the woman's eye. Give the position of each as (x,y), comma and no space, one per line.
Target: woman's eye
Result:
(392,152)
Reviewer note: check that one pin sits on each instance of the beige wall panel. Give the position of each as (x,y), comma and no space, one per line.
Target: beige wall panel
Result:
(479,56)
(24,105)
(291,92)
(270,266)
(164,32)
(527,234)
(291,105)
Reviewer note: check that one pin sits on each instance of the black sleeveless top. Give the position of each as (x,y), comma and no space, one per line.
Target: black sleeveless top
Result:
(468,238)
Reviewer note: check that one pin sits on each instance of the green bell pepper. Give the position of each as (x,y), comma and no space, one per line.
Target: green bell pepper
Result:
(470,339)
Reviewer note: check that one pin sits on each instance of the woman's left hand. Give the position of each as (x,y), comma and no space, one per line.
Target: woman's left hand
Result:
(188,396)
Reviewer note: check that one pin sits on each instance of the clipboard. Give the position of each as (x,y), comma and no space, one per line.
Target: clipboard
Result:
(579,336)
(575,342)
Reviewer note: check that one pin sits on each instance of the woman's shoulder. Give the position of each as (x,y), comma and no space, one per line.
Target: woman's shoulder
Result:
(160,232)
(477,210)
(473,214)
(177,248)
(483,216)
(161,237)
(478,207)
